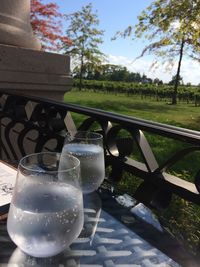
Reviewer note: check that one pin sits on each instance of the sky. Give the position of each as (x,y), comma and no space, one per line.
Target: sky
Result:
(116,15)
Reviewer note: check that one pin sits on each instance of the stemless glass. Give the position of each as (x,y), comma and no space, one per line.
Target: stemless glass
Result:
(88,148)
(46,211)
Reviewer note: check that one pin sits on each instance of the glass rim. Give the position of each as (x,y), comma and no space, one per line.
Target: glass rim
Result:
(97,136)
(50,153)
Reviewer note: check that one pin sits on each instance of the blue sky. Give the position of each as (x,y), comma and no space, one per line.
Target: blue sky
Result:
(115,15)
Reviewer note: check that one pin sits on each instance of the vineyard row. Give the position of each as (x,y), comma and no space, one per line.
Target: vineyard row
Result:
(188,94)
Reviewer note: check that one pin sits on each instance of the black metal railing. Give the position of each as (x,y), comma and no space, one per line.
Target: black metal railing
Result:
(30,124)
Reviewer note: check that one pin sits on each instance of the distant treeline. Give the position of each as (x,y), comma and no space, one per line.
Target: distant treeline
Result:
(188,94)
(111,72)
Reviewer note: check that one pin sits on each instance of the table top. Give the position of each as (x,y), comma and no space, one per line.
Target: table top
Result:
(111,236)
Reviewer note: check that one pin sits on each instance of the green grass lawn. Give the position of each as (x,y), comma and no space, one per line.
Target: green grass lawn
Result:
(182,217)
(183,115)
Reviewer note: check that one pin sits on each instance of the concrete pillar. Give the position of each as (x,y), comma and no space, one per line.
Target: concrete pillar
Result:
(24,68)
(15,27)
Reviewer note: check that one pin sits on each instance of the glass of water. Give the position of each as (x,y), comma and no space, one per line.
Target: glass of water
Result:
(46,211)
(88,148)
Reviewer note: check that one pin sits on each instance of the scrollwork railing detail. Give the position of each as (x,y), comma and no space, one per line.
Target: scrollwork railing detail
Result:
(30,124)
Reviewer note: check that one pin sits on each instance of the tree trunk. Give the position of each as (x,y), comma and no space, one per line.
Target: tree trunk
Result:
(81,74)
(174,96)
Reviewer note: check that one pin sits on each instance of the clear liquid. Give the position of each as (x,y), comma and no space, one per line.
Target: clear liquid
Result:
(92,164)
(45,219)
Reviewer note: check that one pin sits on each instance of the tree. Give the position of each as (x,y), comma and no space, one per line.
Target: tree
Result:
(112,72)
(117,73)
(157,81)
(174,80)
(173,30)
(46,24)
(85,36)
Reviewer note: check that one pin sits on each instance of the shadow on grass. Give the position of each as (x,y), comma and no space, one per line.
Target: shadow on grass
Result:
(120,106)
(194,124)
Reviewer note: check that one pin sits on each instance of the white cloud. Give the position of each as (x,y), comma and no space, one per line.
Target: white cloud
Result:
(190,70)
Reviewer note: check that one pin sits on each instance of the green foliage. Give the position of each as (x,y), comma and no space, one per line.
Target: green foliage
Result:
(112,72)
(174,80)
(85,36)
(161,92)
(183,220)
(165,23)
(172,29)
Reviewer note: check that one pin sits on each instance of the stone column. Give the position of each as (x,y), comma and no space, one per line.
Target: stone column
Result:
(15,27)
(24,68)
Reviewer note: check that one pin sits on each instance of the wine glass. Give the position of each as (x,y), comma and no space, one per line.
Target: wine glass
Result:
(88,148)
(46,211)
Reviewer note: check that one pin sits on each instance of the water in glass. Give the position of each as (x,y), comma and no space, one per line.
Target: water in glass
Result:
(45,217)
(91,158)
